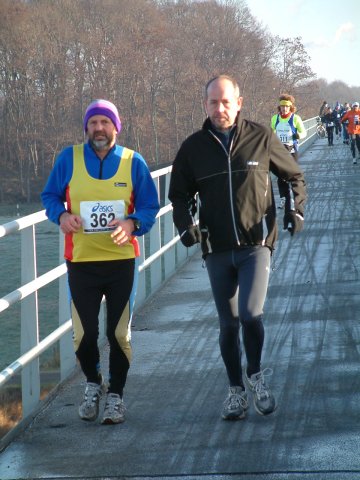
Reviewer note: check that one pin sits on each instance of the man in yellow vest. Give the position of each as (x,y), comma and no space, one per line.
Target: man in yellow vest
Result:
(103,197)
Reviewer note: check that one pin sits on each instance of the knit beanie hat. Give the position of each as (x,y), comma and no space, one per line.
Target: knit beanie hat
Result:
(103,107)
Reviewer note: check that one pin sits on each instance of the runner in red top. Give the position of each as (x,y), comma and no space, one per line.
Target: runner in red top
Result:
(353,117)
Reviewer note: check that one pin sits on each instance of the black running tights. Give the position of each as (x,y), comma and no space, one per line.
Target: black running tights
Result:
(239,280)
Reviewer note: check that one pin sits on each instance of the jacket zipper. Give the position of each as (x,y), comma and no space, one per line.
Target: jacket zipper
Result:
(230,183)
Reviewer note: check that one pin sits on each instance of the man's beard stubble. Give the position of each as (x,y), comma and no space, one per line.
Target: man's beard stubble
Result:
(100,145)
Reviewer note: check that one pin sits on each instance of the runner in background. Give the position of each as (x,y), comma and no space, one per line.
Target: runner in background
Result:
(353,116)
(328,119)
(337,117)
(289,127)
(345,124)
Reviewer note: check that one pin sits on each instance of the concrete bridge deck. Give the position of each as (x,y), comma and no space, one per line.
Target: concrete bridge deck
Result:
(177,381)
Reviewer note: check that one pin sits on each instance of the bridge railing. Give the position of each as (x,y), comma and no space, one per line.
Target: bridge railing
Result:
(160,256)
(310,125)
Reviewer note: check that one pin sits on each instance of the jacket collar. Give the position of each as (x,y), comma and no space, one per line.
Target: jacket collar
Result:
(225,139)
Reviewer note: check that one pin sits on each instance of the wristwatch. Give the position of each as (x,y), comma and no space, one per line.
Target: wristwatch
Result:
(137,224)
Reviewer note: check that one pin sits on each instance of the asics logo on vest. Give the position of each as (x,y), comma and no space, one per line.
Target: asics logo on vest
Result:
(102,208)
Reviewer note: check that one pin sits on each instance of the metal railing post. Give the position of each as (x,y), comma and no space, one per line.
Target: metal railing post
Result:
(155,244)
(67,356)
(141,285)
(168,226)
(30,375)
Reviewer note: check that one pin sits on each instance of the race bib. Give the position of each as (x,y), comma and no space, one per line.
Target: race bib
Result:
(96,215)
(284,132)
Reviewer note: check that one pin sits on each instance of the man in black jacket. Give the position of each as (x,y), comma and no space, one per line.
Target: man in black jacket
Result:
(228,164)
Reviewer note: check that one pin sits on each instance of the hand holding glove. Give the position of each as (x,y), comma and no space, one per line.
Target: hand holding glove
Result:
(190,236)
(293,222)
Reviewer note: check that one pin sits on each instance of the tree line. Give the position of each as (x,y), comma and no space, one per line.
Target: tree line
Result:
(151,58)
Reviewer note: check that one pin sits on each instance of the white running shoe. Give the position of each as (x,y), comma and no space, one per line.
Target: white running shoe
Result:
(89,408)
(235,405)
(264,401)
(114,411)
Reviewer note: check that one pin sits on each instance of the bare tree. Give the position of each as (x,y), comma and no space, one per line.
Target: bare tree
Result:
(151,58)
(291,63)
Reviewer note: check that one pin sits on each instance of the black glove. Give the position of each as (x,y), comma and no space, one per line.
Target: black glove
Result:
(293,221)
(295,137)
(190,236)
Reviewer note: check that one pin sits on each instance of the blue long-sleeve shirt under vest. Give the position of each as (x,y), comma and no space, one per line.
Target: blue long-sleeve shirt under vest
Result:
(145,194)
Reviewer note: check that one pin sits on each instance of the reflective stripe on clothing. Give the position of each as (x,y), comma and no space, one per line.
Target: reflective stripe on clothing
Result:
(89,282)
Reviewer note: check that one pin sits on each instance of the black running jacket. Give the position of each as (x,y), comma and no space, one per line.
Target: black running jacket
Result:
(236,200)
